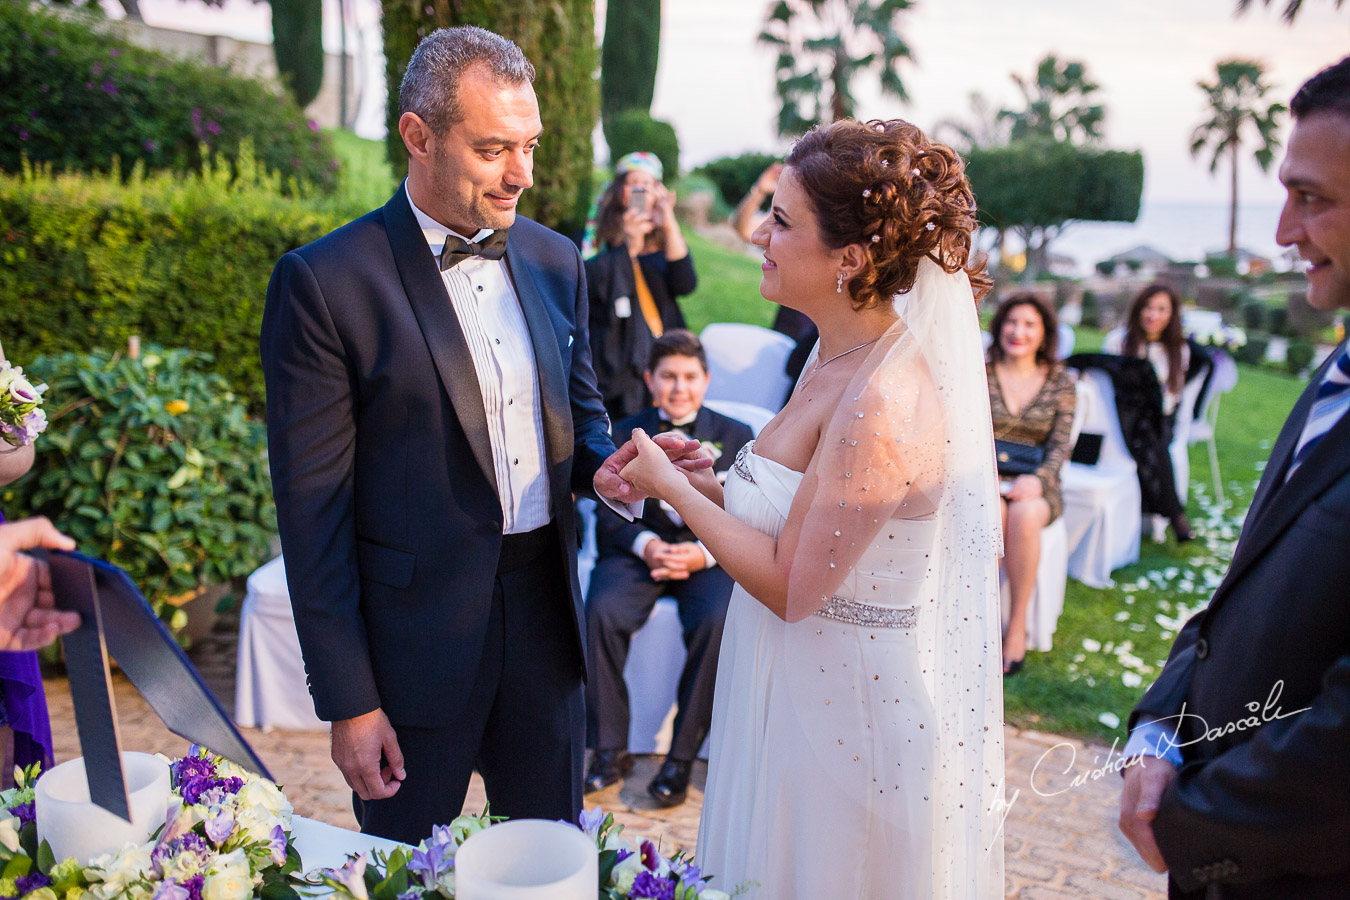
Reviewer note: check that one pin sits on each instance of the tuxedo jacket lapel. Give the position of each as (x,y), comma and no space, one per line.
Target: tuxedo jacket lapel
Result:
(557,412)
(431,305)
(1277,502)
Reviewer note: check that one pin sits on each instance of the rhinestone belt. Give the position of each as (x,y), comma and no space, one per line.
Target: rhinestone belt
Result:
(851,612)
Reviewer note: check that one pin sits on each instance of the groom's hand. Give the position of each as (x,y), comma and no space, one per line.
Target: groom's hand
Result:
(609,483)
(358,745)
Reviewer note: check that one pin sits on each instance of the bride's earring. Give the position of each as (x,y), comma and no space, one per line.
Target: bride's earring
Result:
(839,284)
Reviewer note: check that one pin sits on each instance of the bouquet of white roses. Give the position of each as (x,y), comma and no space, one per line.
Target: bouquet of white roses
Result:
(227,837)
(1225,337)
(21,415)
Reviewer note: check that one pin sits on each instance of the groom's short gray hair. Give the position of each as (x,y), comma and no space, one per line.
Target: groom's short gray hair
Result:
(430,86)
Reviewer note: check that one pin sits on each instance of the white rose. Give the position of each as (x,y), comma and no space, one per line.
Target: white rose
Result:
(127,866)
(227,886)
(233,863)
(9,833)
(264,796)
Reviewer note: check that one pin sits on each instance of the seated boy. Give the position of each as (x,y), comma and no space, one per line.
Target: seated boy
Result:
(658,556)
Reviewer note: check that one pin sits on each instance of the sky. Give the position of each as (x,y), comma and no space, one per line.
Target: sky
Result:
(716,85)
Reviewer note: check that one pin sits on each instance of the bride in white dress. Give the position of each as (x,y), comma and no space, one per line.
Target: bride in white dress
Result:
(856,744)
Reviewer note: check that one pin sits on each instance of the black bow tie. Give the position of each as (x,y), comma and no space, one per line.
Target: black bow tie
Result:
(457,249)
(665,425)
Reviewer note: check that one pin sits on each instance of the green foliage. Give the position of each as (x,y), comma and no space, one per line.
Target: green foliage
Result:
(1299,356)
(365,181)
(154,465)
(1057,104)
(1254,315)
(1277,319)
(1222,266)
(297,43)
(558,36)
(634,129)
(735,175)
(88,261)
(80,96)
(1291,8)
(822,45)
(629,55)
(1254,351)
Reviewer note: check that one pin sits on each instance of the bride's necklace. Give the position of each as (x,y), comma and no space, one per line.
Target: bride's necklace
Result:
(820,365)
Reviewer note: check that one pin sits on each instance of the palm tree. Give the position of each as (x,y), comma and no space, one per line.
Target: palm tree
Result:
(1058,104)
(822,45)
(986,127)
(1291,8)
(1236,105)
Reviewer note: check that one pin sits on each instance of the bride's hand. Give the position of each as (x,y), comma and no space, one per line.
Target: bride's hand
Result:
(609,481)
(651,472)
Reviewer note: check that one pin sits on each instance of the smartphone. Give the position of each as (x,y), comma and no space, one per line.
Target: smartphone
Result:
(637,200)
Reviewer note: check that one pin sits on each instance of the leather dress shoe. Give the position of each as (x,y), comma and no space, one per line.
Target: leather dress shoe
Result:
(671,784)
(607,767)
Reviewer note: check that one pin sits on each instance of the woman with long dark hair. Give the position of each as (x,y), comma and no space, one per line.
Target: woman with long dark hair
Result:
(1153,332)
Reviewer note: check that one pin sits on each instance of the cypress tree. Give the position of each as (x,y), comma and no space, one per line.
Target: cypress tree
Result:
(297,43)
(629,56)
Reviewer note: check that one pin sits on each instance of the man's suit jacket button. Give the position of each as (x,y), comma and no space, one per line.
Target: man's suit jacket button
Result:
(1201,648)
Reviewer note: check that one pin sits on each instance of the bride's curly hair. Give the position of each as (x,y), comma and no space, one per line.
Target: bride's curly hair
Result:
(885,185)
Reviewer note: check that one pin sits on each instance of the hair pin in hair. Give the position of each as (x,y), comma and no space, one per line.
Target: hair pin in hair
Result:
(885,163)
(930,226)
(881,126)
(876,238)
(916,173)
(867,192)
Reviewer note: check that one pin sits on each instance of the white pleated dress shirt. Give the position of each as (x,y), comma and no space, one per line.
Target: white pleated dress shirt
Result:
(494,326)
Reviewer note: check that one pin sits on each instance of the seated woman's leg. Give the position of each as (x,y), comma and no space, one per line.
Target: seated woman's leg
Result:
(1021,557)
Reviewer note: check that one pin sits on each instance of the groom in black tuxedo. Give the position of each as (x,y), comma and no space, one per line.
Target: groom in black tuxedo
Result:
(1243,788)
(431,410)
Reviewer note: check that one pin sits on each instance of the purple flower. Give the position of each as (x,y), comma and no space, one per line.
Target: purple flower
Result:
(333,164)
(220,826)
(32,114)
(88,85)
(352,876)
(313,125)
(189,842)
(649,858)
(23,135)
(624,853)
(649,885)
(114,52)
(685,870)
(150,146)
(28,883)
(97,69)
(170,890)
(194,887)
(213,127)
(277,844)
(109,87)
(409,895)
(431,864)
(590,821)
(43,88)
(24,812)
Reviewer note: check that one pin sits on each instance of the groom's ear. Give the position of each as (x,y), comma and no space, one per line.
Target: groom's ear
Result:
(416,136)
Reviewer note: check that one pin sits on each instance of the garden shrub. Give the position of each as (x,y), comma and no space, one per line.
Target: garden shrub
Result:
(154,465)
(1299,356)
(1254,351)
(1277,320)
(735,175)
(634,129)
(88,261)
(80,96)
(1254,315)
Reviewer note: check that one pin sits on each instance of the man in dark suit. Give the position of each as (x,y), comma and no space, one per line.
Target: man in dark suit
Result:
(431,409)
(1243,786)
(660,557)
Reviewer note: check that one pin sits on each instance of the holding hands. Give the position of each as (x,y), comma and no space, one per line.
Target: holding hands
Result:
(612,479)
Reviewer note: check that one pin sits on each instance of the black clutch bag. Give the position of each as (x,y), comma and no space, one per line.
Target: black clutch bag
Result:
(1018,459)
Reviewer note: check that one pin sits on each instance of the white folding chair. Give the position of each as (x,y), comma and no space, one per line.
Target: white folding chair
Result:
(747,363)
(1067,338)
(1205,422)
(1101,502)
(269,688)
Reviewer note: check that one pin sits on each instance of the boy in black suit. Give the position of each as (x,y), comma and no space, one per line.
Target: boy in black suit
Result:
(640,562)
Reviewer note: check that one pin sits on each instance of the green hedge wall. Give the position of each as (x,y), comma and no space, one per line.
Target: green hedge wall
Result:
(558,36)
(86,261)
(79,95)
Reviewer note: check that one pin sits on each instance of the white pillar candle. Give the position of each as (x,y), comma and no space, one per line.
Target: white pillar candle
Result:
(528,859)
(69,821)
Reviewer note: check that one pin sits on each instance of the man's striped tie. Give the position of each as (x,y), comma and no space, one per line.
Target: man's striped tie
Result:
(1333,399)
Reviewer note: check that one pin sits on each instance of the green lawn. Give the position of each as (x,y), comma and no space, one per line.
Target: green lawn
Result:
(728,287)
(365,180)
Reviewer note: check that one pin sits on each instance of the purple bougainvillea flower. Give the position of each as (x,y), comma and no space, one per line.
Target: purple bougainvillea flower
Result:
(213,127)
(109,87)
(97,69)
(150,146)
(114,52)
(333,164)
(23,135)
(313,125)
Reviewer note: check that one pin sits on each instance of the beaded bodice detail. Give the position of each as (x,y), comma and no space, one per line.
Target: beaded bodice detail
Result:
(882,589)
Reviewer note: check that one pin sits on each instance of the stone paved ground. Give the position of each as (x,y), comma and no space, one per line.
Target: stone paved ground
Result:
(1057,844)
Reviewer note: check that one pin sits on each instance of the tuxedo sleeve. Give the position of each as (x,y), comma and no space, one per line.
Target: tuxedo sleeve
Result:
(1276,804)
(311,434)
(590,424)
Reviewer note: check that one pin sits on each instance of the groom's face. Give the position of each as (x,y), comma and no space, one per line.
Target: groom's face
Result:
(482,163)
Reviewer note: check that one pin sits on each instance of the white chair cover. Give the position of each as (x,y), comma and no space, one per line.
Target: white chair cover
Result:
(1067,338)
(747,363)
(1102,502)
(269,690)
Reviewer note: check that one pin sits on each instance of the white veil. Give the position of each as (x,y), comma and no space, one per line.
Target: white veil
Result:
(911,446)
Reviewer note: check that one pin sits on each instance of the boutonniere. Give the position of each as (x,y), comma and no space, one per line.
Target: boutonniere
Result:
(715,448)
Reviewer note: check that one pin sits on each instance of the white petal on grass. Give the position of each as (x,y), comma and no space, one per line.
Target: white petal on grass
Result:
(1091,646)
(1121,616)
(1131,679)
(1110,720)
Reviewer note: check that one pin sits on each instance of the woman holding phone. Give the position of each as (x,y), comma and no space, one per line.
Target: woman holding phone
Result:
(642,267)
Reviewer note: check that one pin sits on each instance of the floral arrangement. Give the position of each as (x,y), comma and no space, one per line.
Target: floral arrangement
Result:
(626,871)
(21,415)
(1225,337)
(226,837)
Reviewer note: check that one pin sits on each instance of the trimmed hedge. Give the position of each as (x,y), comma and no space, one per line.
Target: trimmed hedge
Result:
(88,261)
(80,96)
(558,36)
(735,175)
(635,129)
